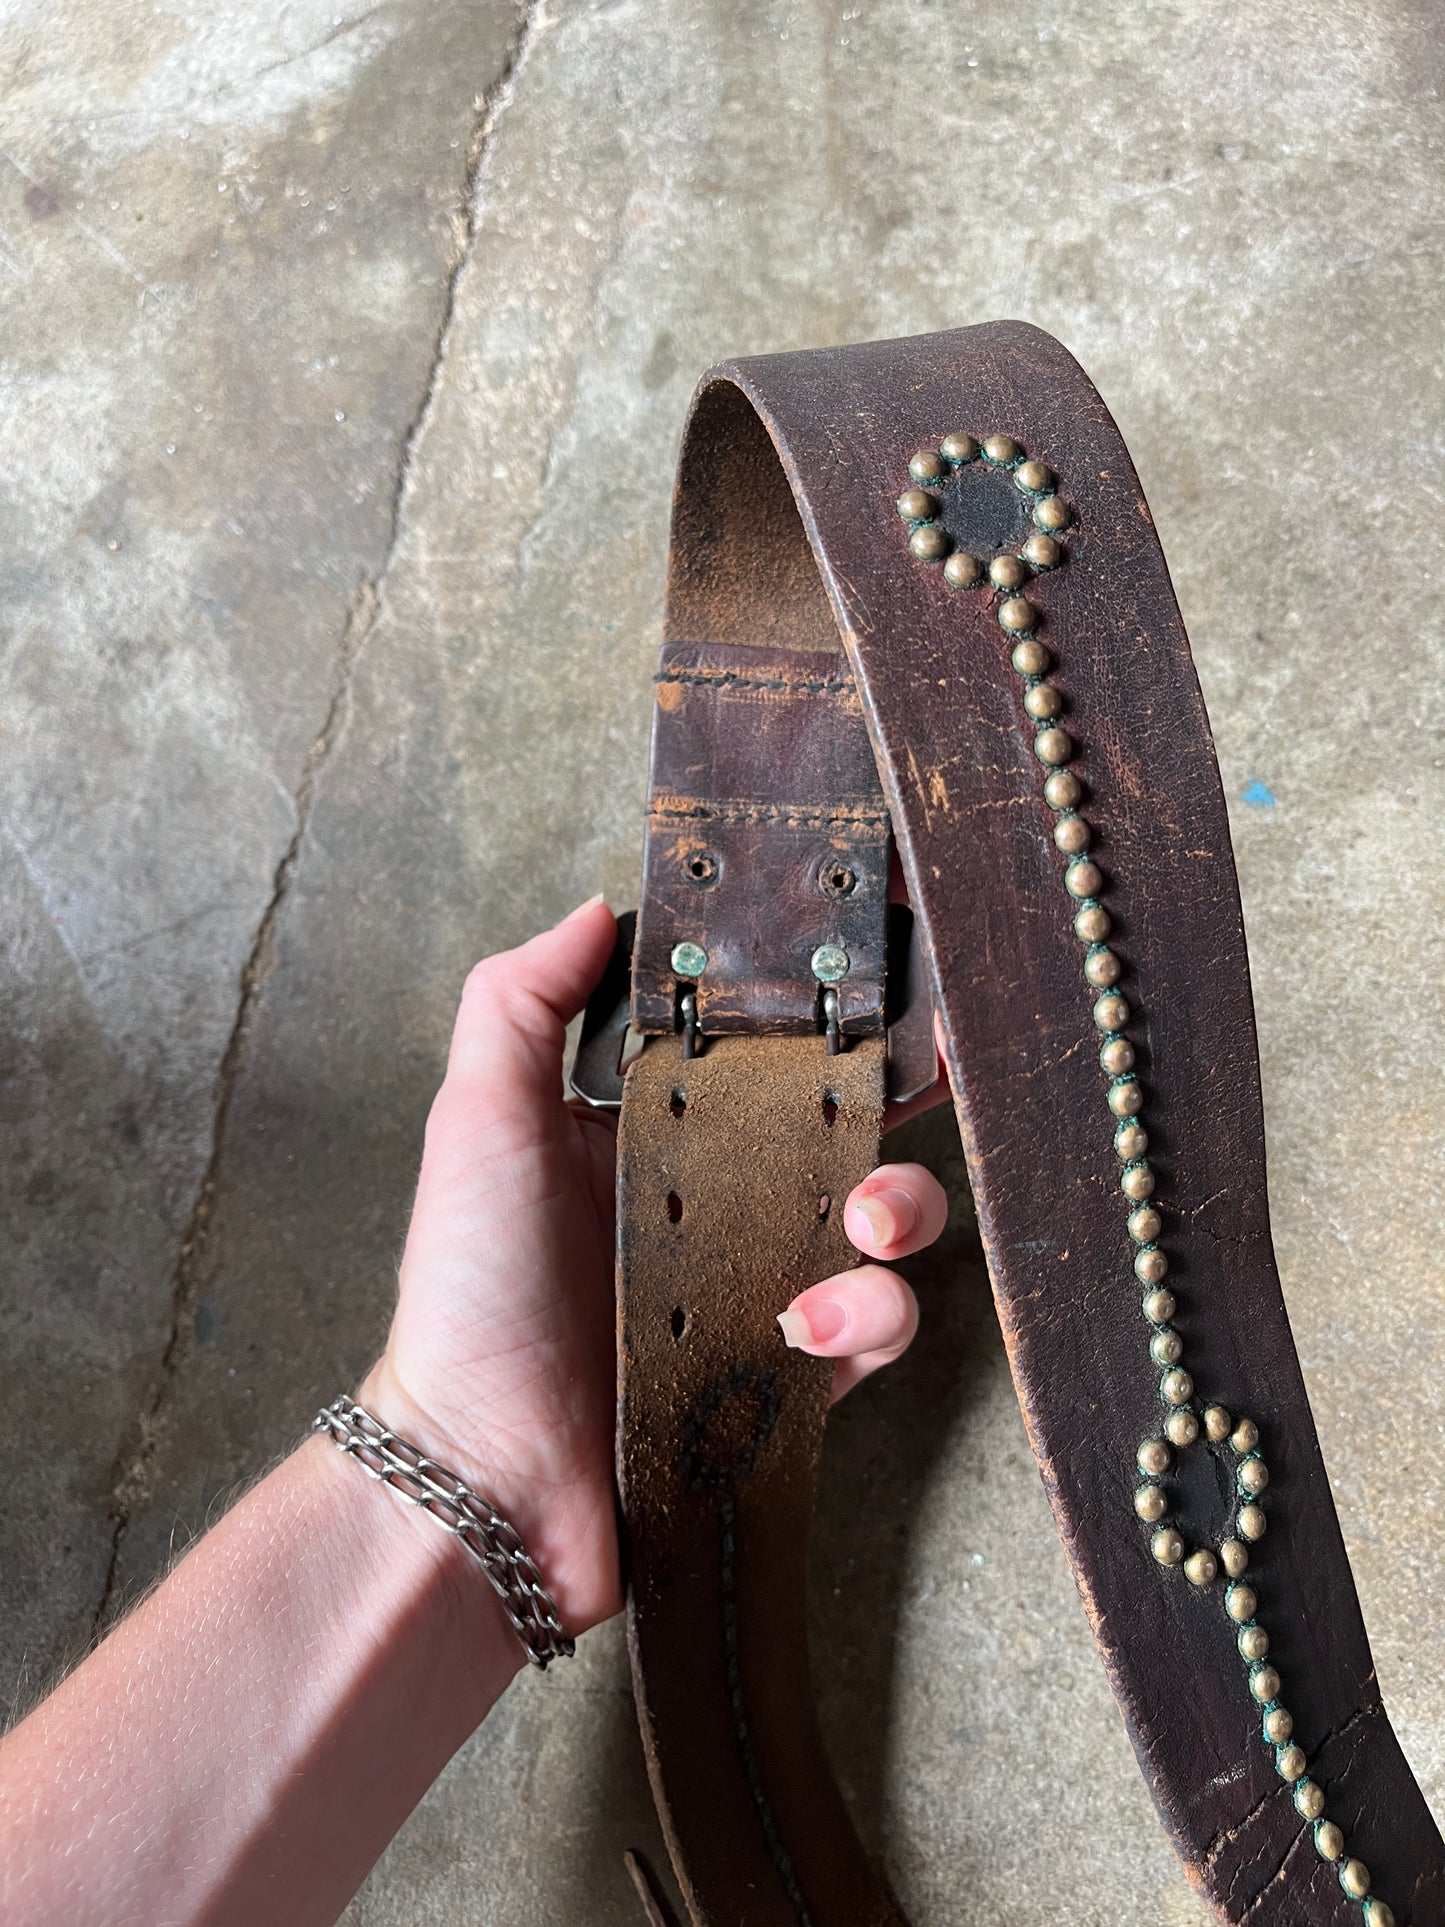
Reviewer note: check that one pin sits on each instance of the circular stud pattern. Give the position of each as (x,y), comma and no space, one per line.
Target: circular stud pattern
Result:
(1185,1422)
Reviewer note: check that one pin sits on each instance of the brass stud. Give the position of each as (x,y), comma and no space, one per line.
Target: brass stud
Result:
(1150,1266)
(1131,1141)
(830,963)
(1309,1799)
(1377,1914)
(1033,477)
(1002,448)
(1063,789)
(1155,1458)
(927,466)
(1278,1725)
(958,448)
(1007,572)
(1251,1522)
(1264,1683)
(1253,1642)
(1290,1763)
(1116,1054)
(688,960)
(1166,1348)
(962,571)
(1329,1840)
(1176,1387)
(1200,1569)
(1167,1546)
(1355,1879)
(1181,1428)
(1092,924)
(1043,702)
(1240,1603)
(1137,1182)
(917,505)
(1159,1306)
(1102,968)
(1253,1476)
(1126,1099)
(1042,552)
(1053,745)
(1030,658)
(1151,1503)
(1071,833)
(1051,514)
(929,543)
(1234,1557)
(1017,615)
(1216,1423)
(1111,1012)
(1245,1436)
(1145,1224)
(1084,878)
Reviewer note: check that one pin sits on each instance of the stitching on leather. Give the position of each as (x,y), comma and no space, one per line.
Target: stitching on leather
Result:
(797,815)
(726,679)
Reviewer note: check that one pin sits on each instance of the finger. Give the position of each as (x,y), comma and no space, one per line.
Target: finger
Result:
(867,1310)
(897,1209)
(529,995)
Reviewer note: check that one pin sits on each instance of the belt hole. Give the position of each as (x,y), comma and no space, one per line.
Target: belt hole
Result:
(830,1107)
(679,1321)
(677,1103)
(825,1205)
(674,1207)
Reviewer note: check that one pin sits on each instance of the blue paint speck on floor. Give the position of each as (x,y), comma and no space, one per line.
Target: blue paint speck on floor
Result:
(1258,795)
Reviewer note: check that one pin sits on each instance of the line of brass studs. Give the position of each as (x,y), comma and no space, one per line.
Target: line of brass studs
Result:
(1183,1416)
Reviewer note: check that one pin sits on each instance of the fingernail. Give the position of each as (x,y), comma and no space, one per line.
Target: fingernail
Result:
(887,1215)
(583,908)
(822,1321)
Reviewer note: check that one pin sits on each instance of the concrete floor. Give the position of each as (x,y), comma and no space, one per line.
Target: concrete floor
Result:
(345,352)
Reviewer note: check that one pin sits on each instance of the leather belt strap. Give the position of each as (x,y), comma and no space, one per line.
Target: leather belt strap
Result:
(960,510)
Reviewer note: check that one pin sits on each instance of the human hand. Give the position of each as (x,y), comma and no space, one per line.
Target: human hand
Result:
(500,1362)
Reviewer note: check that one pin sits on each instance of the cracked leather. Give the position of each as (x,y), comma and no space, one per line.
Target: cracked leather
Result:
(785,539)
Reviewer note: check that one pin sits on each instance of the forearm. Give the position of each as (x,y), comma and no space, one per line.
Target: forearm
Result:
(251,1738)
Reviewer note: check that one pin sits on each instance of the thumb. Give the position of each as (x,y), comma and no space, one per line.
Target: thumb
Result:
(526,997)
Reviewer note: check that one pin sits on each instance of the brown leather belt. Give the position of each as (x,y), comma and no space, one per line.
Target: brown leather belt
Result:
(915,597)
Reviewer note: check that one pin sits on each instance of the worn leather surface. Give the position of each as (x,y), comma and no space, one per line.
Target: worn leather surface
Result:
(785,535)
(767,835)
(730,1167)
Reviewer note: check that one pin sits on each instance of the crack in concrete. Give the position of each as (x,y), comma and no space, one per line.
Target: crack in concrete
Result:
(129,1474)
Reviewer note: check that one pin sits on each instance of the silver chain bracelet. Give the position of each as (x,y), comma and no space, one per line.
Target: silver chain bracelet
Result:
(495,1545)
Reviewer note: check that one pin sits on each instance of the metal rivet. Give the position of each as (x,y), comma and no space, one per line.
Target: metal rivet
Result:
(1145,1224)
(1201,1568)
(1278,1725)
(1159,1306)
(1264,1683)
(1131,1141)
(959,448)
(1216,1423)
(1007,572)
(1290,1763)
(1377,1914)
(1033,477)
(830,963)
(1093,924)
(1102,968)
(917,505)
(1181,1428)
(835,879)
(1150,1503)
(1111,1012)
(1017,615)
(1355,1879)
(688,959)
(1245,1436)
(1253,1476)
(1126,1099)
(1176,1388)
(1051,514)
(1309,1800)
(1234,1557)
(1043,702)
(1253,1642)
(1167,1546)
(927,466)
(1240,1603)
(1084,878)
(1002,448)
(1053,746)
(1062,790)
(1150,1266)
(1166,1348)
(1042,552)
(1072,835)
(1329,1841)
(1155,1457)
(1030,658)
(1251,1521)
(962,571)
(1137,1180)
(929,543)
(701,867)
(1116,1054)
